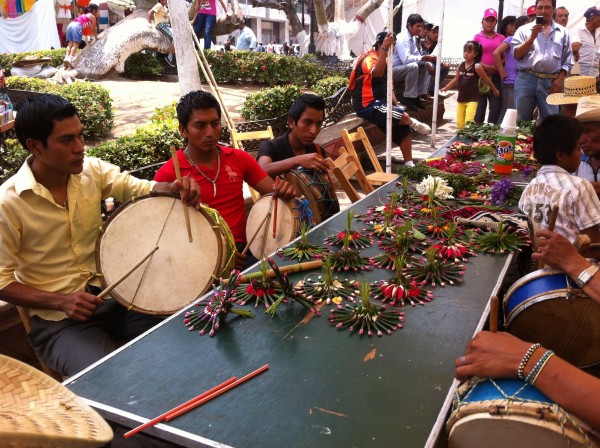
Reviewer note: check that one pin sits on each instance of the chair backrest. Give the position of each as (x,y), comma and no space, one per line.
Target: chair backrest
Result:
(344,168)
(238,137)
(26,320)
(361,136)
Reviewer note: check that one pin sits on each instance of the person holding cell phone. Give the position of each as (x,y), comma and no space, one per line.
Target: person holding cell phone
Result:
(544,57)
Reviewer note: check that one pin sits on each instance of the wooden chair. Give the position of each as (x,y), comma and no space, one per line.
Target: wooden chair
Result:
(238,137)
(26,320)
(379,177)
(344,168)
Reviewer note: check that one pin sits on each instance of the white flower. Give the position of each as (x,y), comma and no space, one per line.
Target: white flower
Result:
(436,185)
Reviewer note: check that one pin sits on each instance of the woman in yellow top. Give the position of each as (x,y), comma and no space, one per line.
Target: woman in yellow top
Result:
(159,15)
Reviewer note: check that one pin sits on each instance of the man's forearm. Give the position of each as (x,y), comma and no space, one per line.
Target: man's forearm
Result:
(23,295)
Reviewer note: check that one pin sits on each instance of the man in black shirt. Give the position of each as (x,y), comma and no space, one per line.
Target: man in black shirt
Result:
(296,147)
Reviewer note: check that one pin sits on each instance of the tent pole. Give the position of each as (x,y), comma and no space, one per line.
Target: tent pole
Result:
(390,91)
(438,65)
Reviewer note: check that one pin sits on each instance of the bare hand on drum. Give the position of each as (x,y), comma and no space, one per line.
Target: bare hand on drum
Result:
(312,161)
(491,355)
(284,190)
(188,189)
(240,261)
(558,252)
(80,305)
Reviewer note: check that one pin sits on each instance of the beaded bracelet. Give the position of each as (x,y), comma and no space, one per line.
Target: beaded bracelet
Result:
(538,367)
(525,360)
(541,367)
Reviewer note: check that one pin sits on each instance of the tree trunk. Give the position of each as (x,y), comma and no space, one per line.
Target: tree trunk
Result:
(287,6)
(185,50)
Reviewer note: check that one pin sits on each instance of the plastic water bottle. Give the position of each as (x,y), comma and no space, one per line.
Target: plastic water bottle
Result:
(505,147)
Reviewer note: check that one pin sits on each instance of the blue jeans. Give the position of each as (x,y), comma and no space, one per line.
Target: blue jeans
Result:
(529,90)
(206,22)
(495,103)
(508,100)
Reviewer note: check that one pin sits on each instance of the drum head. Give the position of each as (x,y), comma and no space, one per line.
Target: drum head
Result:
(287,226)
(177,273)
(316,188)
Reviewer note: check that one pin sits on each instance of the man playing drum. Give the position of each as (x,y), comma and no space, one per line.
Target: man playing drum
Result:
(49,221)
(296,147)
(219,170)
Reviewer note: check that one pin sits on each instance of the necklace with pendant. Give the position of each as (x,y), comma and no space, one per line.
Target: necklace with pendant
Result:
(212,181)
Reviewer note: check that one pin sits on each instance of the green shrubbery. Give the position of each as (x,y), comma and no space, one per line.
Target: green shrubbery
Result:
(142,65)
(328,86)
(12,156)
(269,103)
(58,56)
(149,145)
(91,100)
(263,68)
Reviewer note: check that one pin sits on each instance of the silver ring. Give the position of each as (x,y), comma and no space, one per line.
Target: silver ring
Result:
(463,360)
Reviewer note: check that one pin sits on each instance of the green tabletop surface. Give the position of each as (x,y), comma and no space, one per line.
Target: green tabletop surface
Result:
(325,387)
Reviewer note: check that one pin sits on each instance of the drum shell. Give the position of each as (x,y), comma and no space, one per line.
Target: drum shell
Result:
(536,309)
(483,416)
(176,274)
(315,187)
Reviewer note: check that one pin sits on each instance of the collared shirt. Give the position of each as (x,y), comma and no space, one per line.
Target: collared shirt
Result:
(589,52)
(578,204)
(406,49)
(586,171)
(237,167)
(547,54)
(246,39)
(50,247)
(488,45)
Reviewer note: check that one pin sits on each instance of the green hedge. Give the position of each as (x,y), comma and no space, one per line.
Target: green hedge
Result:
(92,101)
(328,86)
(12,156)
(263,68)
(149,145)
(269,103)
(7,59)
(142,65)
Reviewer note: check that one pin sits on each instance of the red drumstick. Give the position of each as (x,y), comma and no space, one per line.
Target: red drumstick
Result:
(275,209)
(161,417)
(191,406)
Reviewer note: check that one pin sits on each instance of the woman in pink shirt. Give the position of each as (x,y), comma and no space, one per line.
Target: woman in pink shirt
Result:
(75,31)
(489,41)
(206,19)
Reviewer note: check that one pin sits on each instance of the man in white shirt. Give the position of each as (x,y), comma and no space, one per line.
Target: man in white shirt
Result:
(246,39)
(409,64)
(588,45)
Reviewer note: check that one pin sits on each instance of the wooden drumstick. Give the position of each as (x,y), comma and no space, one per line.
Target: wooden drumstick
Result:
(275,209)
(186,212)
(116,283)
(265,219)
(494,303)
(551,224)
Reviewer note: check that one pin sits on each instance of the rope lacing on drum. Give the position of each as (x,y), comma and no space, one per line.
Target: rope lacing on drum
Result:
(304,211)
(329,197)
(563,415)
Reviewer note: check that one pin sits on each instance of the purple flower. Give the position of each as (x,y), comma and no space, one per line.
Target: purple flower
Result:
(501,190)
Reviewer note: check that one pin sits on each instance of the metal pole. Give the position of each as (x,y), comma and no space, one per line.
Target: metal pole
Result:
(500,14)
(311,46)
(438,65)
(390,91)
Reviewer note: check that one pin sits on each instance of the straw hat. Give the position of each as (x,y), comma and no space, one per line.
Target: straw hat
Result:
(37,411)
(588,109)
(575,88)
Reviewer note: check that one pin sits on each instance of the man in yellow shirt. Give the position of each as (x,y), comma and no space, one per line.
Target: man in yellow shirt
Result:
(49,221)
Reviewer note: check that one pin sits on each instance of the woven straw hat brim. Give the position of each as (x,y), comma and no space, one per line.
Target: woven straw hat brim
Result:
(575,87)
(37,411)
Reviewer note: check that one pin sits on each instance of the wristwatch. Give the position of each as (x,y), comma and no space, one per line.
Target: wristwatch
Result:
(586,275)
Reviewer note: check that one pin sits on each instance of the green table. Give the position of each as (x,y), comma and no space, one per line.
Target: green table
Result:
(325,387)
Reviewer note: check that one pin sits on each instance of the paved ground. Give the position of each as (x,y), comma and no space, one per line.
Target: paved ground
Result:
(134,102)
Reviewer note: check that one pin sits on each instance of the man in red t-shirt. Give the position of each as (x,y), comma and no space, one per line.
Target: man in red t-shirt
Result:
(219,170)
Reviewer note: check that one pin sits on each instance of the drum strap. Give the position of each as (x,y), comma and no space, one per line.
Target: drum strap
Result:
(304,211)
